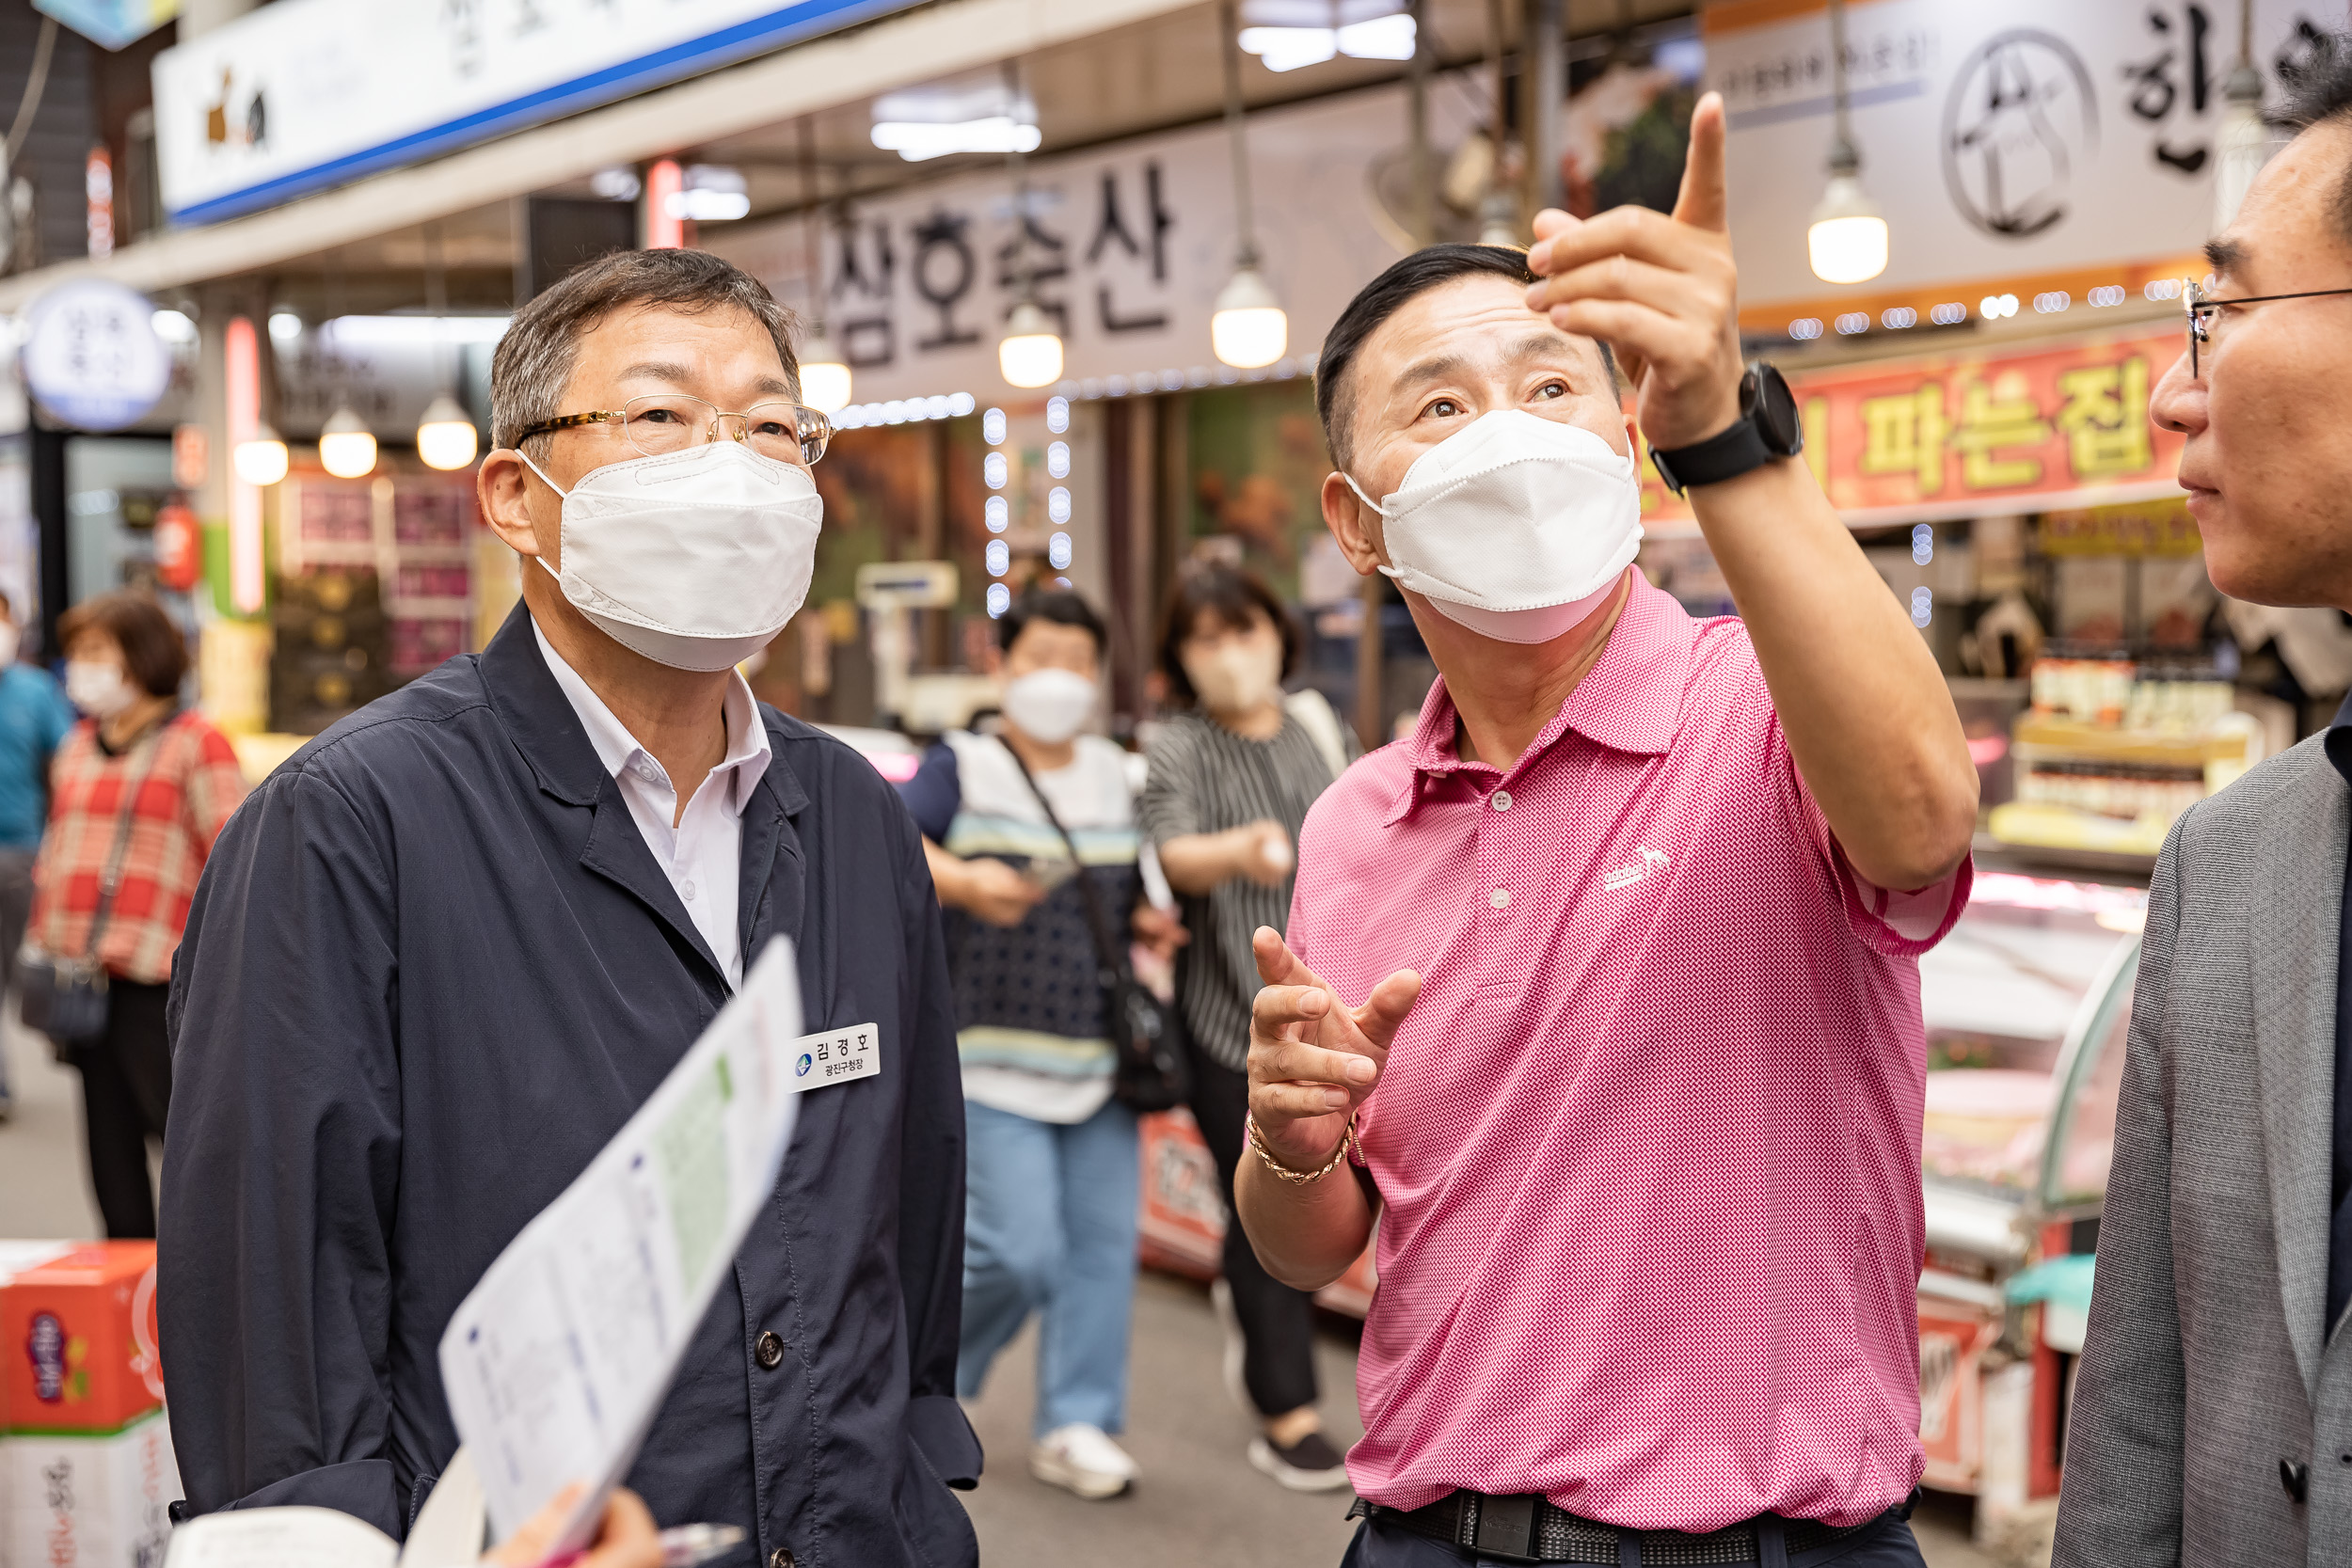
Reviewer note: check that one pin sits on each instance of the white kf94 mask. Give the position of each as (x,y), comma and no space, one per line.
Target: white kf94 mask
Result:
(696,559)
(1516,525)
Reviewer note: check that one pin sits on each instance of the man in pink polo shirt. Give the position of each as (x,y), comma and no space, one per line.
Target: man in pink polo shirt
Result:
(1604,979)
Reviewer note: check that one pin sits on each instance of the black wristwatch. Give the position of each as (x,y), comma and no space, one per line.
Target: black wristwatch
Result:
(1768,428)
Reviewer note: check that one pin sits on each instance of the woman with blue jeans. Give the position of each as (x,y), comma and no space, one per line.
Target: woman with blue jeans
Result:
(1052,1179)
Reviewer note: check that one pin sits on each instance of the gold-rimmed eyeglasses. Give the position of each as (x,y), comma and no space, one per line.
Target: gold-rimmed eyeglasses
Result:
(2202,308)
(664,422)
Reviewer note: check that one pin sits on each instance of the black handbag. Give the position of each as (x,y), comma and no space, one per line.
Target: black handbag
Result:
(1147,1072)
(66,998)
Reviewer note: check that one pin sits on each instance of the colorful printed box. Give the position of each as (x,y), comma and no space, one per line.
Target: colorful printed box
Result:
(77,1341)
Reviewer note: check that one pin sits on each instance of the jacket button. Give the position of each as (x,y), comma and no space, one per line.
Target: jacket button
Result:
(780,1557)
(2297,1478)
(767,1349)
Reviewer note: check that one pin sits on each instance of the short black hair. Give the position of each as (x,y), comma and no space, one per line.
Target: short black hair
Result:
(2318,83)
(1385,296)
(1230,594)
(1062,606)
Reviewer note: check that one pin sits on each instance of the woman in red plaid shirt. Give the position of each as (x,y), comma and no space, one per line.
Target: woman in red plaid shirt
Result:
(141,771)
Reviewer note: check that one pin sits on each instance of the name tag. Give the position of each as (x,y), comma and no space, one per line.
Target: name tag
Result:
(835,1057)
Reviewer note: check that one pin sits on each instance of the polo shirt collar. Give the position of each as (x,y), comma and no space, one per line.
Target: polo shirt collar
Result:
(1629,701)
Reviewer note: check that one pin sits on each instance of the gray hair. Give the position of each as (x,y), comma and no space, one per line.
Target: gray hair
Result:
(533,366)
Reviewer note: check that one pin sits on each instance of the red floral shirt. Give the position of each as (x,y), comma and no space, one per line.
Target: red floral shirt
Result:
(188,782)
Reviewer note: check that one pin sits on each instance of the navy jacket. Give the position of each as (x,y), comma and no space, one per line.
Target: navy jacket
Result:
(431,968)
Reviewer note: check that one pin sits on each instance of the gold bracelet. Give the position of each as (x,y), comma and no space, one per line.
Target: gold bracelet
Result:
(1297,1178)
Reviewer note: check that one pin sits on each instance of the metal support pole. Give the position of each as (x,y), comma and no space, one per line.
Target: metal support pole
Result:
(1548,65)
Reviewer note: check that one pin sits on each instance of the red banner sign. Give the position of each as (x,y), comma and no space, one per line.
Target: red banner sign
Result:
(1968,434)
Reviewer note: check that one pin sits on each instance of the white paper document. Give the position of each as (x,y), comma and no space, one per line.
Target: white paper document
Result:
(557,1360)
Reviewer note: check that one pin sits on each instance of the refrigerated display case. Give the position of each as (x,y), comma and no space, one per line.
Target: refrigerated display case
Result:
(2027,1004)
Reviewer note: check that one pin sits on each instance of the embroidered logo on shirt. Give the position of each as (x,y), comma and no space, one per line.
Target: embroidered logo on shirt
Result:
(1626,876)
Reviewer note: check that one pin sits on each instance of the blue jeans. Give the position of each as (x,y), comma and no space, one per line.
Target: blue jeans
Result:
(1050,1226)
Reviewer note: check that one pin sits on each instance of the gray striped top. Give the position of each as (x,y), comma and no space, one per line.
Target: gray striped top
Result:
(1205,779)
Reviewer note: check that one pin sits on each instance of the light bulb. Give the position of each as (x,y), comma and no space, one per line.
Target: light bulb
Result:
(446,438)
(346,445)
(1030,352)
(824,375)
(2243,144)
(1248,327)
(260,460)
(1848,239)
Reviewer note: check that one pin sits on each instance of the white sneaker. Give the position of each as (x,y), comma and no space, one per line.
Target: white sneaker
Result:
(1082,1459)
(1237,1348)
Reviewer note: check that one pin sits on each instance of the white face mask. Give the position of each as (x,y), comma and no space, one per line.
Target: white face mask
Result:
(1516,525)
(696,559)
(1239,677)
(1050,706)
(98,689)
(9,639)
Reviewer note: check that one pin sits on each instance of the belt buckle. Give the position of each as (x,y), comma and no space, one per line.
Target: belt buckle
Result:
(1505,1527)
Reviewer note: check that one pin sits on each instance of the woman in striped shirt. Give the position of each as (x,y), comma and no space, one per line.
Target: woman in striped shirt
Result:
(1232,774)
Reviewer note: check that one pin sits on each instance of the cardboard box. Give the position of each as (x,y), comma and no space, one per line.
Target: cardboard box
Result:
(89,1500)
(77,1341)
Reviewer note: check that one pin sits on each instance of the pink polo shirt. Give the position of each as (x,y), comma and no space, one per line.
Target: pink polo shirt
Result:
(1648,1145)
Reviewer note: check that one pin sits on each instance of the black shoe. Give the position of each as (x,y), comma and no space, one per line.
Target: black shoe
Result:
(1309,1465)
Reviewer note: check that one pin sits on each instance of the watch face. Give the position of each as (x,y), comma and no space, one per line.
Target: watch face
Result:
(1768,403)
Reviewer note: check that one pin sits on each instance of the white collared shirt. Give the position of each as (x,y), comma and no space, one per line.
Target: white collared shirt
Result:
(703,853)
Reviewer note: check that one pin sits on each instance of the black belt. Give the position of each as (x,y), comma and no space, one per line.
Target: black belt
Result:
(1528,1528)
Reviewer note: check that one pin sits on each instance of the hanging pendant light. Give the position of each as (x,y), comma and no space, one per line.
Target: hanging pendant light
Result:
(260,458)
(2244,138)
(1029,354)
(1848,239)
(824,370)
(1247,327)
(346,445)
(446,438)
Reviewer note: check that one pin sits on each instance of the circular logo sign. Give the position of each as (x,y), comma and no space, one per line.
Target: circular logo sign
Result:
(91,358)
(2019,128)
(806,1062)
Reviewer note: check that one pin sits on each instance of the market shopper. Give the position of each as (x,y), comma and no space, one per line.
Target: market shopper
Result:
(139,791)
(1233,771)
(1602,984)
(2212,1418)
(454,942)
(1050,1221)
(34,719)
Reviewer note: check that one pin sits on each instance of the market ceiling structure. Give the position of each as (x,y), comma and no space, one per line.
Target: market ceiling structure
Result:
(1099,71)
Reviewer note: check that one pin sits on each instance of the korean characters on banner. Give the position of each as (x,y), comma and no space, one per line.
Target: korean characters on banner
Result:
(1956,435)
(1126,249)
(2049,150)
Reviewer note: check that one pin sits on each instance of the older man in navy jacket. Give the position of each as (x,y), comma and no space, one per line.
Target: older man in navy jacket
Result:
(445,951)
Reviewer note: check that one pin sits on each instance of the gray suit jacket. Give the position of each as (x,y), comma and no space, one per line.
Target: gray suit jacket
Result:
(2208,1363)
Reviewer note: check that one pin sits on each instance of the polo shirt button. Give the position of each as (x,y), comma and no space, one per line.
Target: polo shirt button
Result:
(1500,800)
(767,1349)
(780,1557)
(686,888)
(1500,899)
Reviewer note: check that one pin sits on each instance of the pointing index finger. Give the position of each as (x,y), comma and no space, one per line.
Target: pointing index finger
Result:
(1703,202)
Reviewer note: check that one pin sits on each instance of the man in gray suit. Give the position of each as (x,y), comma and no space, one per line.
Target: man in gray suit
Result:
(2213,1421)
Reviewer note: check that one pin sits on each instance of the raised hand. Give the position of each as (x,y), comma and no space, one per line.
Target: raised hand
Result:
(1313,1058)
(1661,291)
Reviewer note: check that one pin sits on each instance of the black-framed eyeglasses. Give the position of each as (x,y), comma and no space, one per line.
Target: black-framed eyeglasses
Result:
(664,422)
(2201,307)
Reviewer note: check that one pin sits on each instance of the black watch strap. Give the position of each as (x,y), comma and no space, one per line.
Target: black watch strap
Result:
(1725,455)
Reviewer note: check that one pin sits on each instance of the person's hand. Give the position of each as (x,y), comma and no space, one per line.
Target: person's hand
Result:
(625,1538)
(1262,852)
(995,892)
(1661,291)
(1160,932)
(1313,1058)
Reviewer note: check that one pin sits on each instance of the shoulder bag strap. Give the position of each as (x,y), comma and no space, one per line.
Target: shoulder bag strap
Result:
(111,878)
(1106,956)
